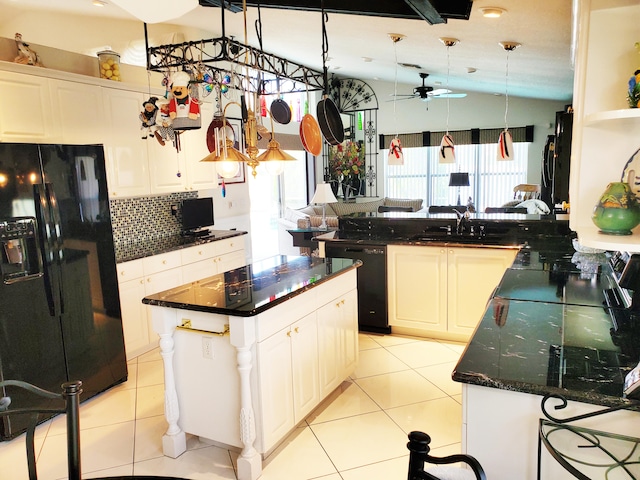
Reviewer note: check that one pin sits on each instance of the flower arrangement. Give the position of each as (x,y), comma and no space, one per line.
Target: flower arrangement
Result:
(346,159)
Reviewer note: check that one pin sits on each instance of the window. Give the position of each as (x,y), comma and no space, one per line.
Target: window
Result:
(491,181)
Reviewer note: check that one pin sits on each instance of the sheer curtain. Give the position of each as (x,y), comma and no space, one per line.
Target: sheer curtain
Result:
(491,181)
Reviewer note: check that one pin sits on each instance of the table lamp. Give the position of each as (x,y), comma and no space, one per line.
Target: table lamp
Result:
(323,195)
(459,180)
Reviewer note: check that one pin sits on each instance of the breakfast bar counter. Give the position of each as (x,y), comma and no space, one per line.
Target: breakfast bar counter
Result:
(250,352)
(550,345)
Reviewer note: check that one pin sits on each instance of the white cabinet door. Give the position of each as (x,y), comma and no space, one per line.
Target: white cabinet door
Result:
(337,340)
(348,333)
(135,319)
(26,114)
(199,175)
(126,152)
(166,167)
(417,287)
(80,109)
(473,274)
(230,261)
(305,366)
(275,387)
(199,270)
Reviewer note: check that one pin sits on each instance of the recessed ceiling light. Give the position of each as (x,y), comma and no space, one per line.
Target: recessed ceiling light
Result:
(471,70)
(98,3)
(492,12)
(367,59)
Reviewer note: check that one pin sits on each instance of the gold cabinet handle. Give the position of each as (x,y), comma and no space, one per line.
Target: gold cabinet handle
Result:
(289,333)
(297,329)
(164,262)
(141,281)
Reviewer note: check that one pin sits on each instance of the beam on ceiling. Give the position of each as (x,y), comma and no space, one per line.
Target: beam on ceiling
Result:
(426,11)
(382,8)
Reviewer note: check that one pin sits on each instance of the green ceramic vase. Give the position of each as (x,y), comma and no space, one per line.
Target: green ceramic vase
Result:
(618,211)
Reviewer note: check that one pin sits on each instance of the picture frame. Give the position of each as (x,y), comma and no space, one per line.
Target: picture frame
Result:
(239,144)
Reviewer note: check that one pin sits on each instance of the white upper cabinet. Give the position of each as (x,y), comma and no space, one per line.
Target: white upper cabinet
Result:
(80,112)
(26,114)
(125,151)
(606,132)
(199,175)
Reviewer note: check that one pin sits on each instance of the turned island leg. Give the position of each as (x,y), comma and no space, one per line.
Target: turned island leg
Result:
(174,441)
(243,337)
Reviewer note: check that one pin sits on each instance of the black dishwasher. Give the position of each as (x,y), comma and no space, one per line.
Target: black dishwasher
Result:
(372,282)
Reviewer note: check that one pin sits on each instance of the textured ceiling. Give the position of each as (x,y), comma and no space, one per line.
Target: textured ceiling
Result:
(359,46)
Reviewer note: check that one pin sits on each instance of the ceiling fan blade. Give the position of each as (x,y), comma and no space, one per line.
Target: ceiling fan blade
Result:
(439,91)
(400,98)
(450,95)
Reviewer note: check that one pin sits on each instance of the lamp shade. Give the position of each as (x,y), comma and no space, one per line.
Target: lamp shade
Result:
(459,179)
(156,11)
(324,194)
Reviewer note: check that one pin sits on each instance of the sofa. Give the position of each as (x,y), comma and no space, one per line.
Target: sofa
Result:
(312,215)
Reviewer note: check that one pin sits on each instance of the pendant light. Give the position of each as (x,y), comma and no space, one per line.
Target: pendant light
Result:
(395,156)
(228,159)
(505,142)
(447,152)
(274,155)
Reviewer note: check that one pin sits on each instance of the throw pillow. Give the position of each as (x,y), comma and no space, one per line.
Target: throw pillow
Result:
(349,208)
(415,203)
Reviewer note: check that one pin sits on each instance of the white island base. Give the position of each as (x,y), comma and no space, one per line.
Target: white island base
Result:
(246,382)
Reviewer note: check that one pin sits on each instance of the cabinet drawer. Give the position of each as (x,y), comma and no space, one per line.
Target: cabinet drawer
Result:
(229,245)
(197,253)
(158,263)
(130,270)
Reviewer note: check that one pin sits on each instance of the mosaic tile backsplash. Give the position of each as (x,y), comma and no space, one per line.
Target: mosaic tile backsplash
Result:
(143,219)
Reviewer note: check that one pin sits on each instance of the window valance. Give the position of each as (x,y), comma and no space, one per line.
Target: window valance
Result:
(473,136)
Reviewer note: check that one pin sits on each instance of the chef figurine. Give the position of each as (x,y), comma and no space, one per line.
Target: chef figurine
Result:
(148,119)
(183,109)
(164,122)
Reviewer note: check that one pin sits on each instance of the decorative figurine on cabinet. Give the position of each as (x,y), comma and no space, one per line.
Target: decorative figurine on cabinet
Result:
(184,109)
(26,56)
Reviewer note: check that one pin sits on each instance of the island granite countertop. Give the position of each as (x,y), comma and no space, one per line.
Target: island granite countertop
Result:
(250,290)
(546,331)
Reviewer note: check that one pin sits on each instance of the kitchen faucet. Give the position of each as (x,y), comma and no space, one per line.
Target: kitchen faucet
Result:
(461,221)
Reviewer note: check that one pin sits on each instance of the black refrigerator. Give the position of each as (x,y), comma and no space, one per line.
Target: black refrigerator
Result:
(60,314)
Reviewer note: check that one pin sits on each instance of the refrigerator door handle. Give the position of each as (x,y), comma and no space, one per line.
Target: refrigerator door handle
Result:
(48,249)
(58,242)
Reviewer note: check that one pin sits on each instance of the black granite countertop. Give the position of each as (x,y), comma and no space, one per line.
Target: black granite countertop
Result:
(546,331)
(133,251)
(250,290)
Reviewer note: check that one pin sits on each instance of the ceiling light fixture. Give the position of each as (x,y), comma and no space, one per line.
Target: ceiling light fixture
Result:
(492,12)
(98,3)
(395,156)
(505,142)
(447,147)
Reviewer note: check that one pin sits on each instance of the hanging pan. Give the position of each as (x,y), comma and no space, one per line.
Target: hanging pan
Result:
(327,112)
(310,135)
(279,109)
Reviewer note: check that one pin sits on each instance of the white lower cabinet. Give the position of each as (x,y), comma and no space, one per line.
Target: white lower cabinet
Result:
(145,276)
(288,379)
(442,291)
(337,340)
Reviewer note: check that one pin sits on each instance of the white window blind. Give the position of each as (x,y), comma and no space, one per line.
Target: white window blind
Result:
(491,181)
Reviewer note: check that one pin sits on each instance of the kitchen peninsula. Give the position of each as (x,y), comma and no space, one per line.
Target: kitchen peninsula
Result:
(248,353)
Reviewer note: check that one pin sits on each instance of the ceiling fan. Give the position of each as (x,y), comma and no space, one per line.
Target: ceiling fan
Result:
(426,92)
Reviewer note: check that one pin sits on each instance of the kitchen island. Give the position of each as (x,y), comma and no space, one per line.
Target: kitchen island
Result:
(545,339)
(250,352)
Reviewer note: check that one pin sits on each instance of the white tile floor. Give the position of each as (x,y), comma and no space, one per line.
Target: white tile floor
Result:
(359,432)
